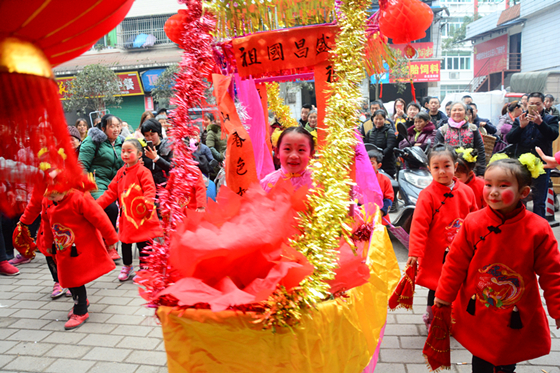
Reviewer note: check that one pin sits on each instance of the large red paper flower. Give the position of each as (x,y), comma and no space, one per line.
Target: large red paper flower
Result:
(237,253)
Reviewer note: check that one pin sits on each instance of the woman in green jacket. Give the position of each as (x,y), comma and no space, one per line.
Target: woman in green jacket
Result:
(100,154)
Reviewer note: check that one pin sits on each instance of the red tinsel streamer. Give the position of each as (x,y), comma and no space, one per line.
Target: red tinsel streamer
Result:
(197,63)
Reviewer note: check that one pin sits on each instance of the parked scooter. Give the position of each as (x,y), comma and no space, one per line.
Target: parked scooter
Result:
(412,178)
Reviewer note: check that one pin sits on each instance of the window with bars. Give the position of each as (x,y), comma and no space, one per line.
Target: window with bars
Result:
(143,32)
(450,25)
(450,88)
(456,61)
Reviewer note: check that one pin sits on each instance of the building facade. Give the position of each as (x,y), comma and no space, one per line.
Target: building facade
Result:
(137,50)
(457,63)
(516,50)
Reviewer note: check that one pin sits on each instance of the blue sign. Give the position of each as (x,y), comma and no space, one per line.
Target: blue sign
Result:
(381,78)
(150,77)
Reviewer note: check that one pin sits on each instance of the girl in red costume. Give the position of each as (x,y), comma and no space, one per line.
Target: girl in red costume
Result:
(77,225)
(465,173)
(491,272)
(439,214)
(135,189)
(295,148)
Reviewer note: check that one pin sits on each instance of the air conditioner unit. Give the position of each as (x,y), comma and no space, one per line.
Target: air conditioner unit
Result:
(453,75)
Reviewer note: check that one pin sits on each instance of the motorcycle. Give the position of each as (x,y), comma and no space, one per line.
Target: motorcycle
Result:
(412,178)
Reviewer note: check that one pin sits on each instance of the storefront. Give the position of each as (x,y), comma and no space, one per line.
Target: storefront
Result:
(423,70)
(136,100)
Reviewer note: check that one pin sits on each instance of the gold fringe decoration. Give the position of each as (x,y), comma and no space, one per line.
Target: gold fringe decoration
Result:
(242,17)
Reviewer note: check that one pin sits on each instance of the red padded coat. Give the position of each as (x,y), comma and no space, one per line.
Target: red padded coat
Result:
(500,270)
(135,189)
(477,185)
(77,226)
(438,216)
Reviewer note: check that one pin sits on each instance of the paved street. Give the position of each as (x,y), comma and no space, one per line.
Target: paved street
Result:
(123,336)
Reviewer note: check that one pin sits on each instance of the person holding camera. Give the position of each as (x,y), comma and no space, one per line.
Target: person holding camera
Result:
(158,152)
(535,128)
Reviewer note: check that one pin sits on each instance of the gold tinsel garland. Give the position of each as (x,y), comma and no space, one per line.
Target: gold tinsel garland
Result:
(327,219)
(282,112)
(241,17)
(276,105)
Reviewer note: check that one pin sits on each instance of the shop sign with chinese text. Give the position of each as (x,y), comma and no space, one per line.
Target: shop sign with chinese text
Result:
(422,71)
(129,82)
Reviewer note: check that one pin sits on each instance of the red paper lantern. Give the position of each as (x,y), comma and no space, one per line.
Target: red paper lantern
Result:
(62,29)
(404,20)
(34,36)
(175,26)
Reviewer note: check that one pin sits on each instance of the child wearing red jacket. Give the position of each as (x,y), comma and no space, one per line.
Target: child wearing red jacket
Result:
(493,271)
(465,173)
(76,225)
(376,157)
(439,214)
(135,189)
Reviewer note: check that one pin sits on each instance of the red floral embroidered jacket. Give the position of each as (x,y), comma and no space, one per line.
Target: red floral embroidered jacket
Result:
(500,270)
(77,226)
(136,191)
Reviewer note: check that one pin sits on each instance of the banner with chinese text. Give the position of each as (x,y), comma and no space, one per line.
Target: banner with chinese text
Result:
(422,71)
(490,56)
(129,83)
(269,52)
(240,165)
(423,50)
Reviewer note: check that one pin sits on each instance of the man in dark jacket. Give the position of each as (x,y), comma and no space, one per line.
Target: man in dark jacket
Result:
(384,138)
(158,158)
(436,115)
(532,129)
(305,109)
(481,122)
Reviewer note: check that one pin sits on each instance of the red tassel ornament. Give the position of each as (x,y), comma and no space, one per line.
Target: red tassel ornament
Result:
(403,295)
(437,350)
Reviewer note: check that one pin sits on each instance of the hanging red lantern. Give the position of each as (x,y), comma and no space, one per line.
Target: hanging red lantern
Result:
(33,38)
(175,26)
(404,20)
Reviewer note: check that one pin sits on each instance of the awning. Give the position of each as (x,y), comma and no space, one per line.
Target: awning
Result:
(503,26)
(530,81)
(123,61)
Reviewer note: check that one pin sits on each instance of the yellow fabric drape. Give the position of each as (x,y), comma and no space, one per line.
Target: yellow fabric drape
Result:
(340,335)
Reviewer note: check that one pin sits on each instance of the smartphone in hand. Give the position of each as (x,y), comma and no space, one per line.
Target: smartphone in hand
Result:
(150,144)
(532,110)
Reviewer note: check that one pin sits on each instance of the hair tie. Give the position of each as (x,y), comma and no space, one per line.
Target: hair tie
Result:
(141,141)
(466,154)
(497,157)
(533,164)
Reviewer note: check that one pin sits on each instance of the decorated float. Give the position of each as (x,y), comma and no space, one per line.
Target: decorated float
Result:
(292,280)
(285,281)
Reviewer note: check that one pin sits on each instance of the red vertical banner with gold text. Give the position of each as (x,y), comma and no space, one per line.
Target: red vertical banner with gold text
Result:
(240,166)
(324,74)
